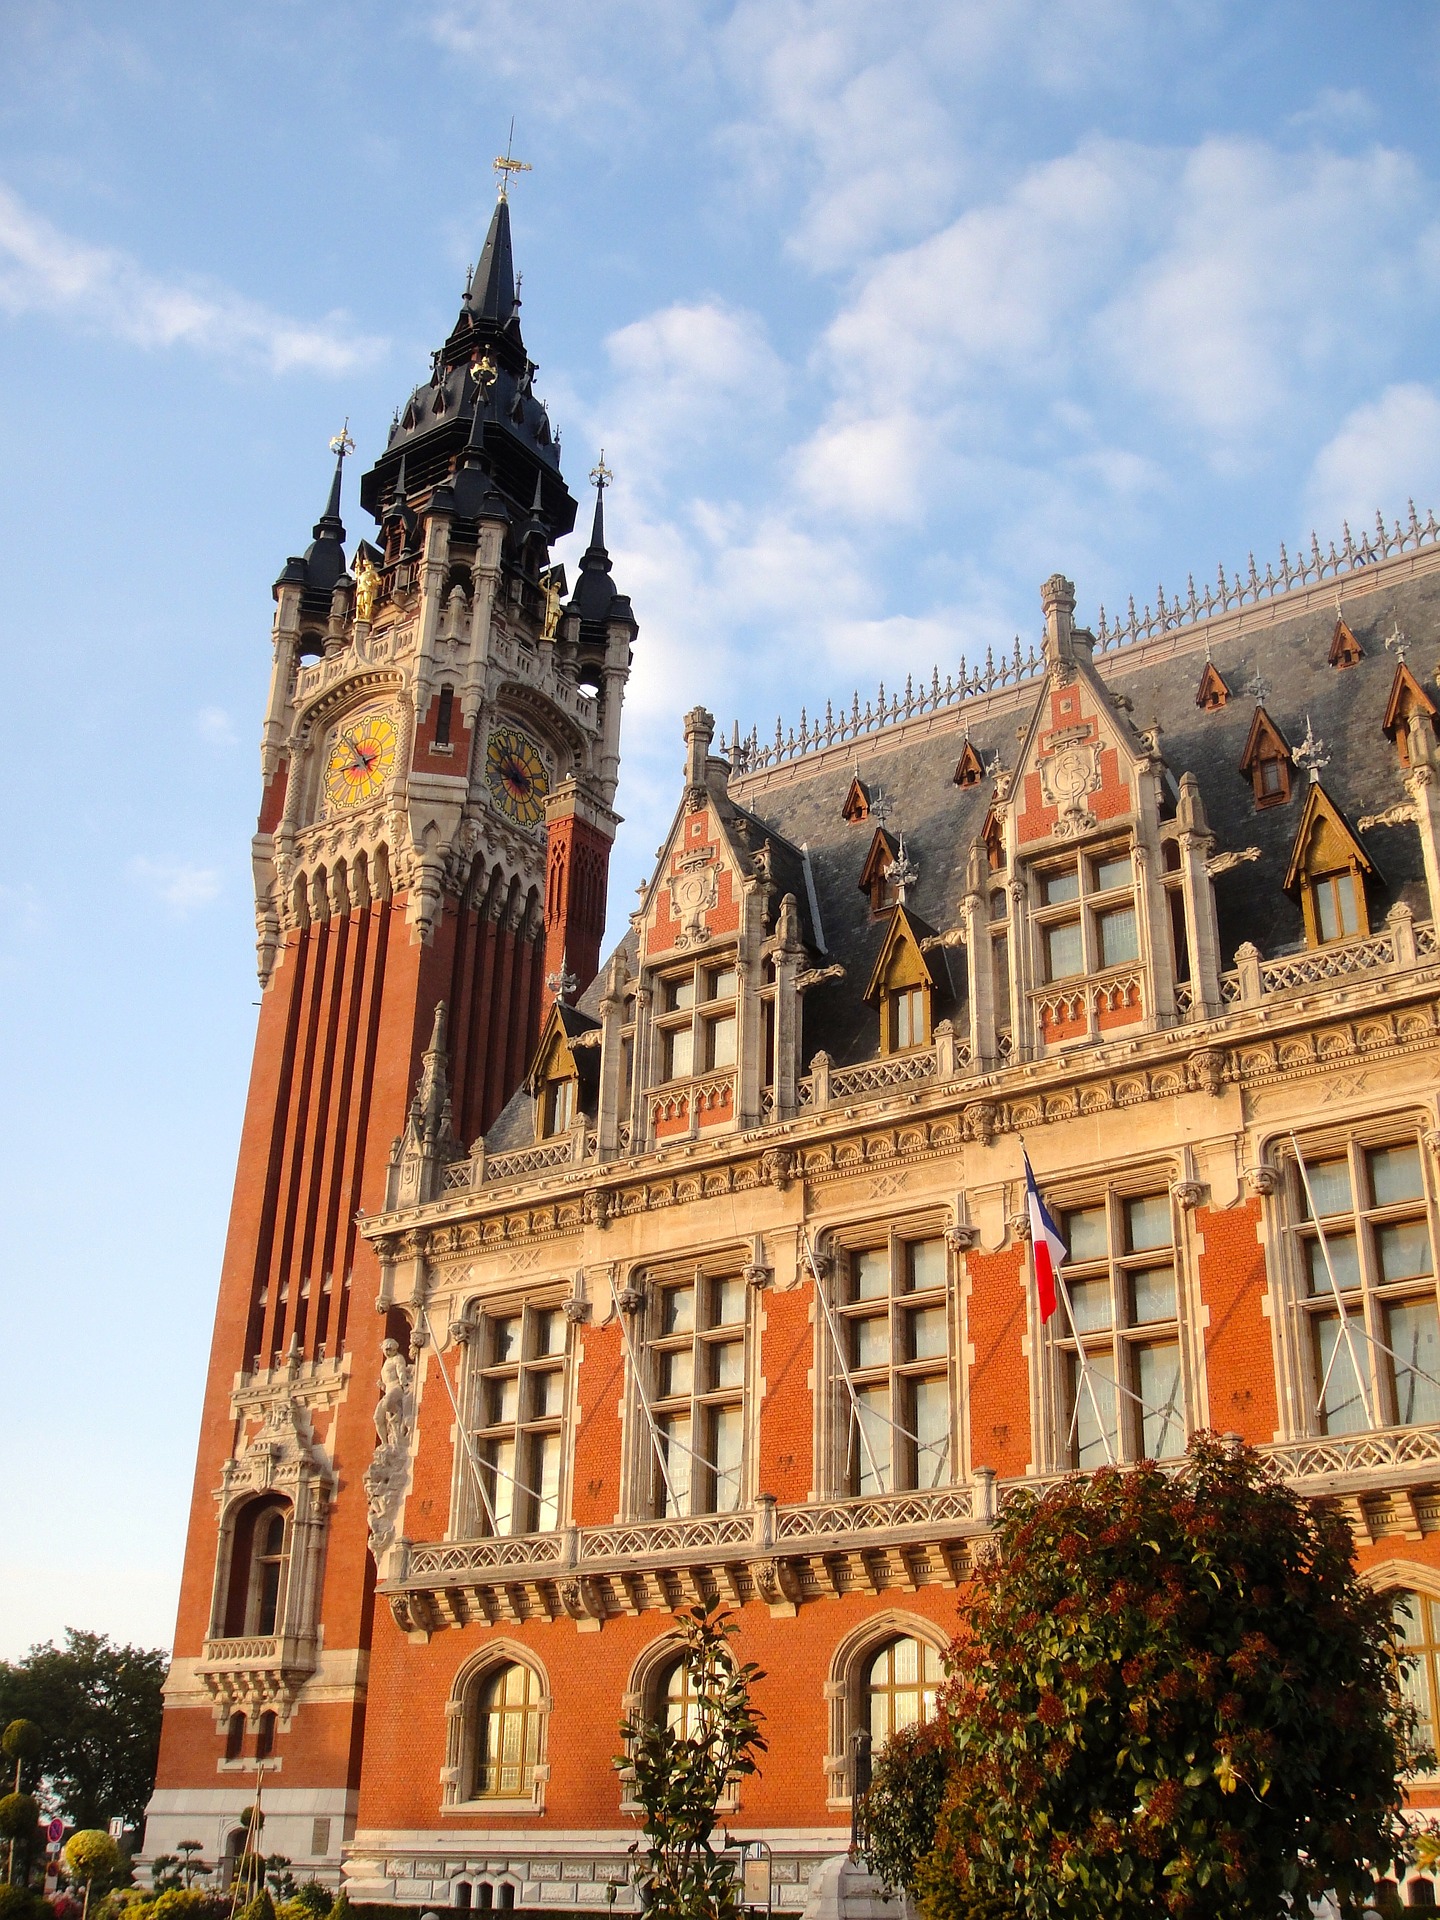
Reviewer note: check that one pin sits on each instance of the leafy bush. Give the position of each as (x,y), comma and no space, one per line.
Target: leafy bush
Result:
(902,1807)
(342,1910)
(262,1907)
(91,1856)
(313,1898)
(19,1815)
(1173,1697)
(19,1903)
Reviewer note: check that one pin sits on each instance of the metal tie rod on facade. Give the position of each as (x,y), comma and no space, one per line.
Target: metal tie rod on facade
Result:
(466,1442)
(648,1411)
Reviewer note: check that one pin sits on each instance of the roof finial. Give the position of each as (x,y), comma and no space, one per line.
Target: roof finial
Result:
(563,983)
(1395,640)
(504,166)
(1258,687)
(1311,754)
(339,446)
(600,478)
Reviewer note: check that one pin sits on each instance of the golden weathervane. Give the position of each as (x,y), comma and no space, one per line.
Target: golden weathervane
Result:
(504,166)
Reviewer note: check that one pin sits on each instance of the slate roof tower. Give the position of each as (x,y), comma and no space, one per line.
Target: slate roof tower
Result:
(439,757)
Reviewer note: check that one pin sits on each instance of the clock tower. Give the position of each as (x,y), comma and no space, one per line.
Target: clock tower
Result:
(439,758)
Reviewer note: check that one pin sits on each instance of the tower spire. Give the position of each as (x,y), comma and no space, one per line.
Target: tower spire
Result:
(600,478)
(330,523)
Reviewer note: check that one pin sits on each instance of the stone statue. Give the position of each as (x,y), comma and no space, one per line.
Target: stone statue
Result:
(367,585)
(392,1413)
(551,590)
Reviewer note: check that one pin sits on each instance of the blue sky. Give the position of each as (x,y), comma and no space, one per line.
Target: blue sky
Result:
(882,310)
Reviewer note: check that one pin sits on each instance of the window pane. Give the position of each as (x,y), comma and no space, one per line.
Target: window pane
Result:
(545,1480)
(1157,1381)
(872,1442)
(674,1432)
(505,1339)
(502,1401)
(677,1372)
(871,1270)
(1058,887)
(1112,872)
(1395,1175)
(728,1364)
(1402,1250)
(1152,1295)
(547,1394)
(926,1262)
(928,1336)
(679,1053)
(1327,908)
(1330,1184)
(720,1042)
(499,1460)
(930,1423)
(1345,892)
(549,1332)
(1094,1402)
(678,1311)
(1063,956)
(1408,1618)
(1413,1336)
(1342,1406)
(910,1017)
(872,1341)
(679,1701)
(729,1301)
(727,1434)
(720,984)
(1085,1234)
(1119,937)
(680,994)
(1090,1304)
(1344,1260)
(1147,1222)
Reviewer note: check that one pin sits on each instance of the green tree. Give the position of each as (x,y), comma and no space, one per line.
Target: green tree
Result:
(22,1742)
(678,1776)
(19,1817)
(902,1806)
(94,1861)
(189,1864)
(1172,1697)
(98,1707)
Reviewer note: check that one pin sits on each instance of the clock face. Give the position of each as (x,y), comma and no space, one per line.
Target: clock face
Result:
(361,760)
(515,774)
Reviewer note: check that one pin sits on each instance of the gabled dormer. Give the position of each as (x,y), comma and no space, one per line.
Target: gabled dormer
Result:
(1212,692)
(1327,873)
(726,924)
(565,1072)
(1267,762)
(1407,700)
(875,874)
(857,803)
(903,985)
(969,769)
(1345,649)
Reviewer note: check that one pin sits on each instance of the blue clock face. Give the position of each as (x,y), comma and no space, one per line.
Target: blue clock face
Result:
(515,776)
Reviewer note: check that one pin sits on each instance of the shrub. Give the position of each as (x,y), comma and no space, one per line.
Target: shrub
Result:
(342,1910)
(19,1903)
(313,1898)
(262,1907)
(19,1815)
(903,1804)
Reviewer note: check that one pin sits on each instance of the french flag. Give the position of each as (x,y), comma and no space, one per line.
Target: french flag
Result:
(1049,1250)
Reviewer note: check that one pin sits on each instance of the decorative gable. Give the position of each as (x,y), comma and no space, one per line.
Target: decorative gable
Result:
(875,874)
(696,896)
(1345,649)
(1212,692)
(902,985)
(969,771)
(1074,774)
(1328,870)
(1407,697)
(1267,762)
(857,802)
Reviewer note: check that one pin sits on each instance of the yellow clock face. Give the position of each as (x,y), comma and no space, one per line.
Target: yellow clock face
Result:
(361,760)
(515,774)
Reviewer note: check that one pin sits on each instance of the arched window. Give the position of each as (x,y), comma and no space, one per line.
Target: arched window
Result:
(899,1687)
(261,1551)
(507,1733)
(234,1736)
(679,1700)
(265,1735)
(1417,1622)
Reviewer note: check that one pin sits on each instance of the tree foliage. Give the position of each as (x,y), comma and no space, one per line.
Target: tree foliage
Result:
(678,1777)
(902,1806)
(97,1705)
(93,1859)
(1172,1696)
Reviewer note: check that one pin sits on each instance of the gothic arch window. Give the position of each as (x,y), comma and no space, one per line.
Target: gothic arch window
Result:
(660,1689)
(884,1676)
(259,1568)
(498,1725)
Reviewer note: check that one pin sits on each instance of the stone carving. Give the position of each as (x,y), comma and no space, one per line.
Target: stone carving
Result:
(1205,1070)
(776,1582)
(389,1467)
(777,1164)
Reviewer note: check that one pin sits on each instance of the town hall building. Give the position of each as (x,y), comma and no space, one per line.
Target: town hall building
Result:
(564,1288)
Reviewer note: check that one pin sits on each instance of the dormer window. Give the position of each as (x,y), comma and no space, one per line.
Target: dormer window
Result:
(697,1022)
(909,1025)
(558,1106)
(1087,919)
(1266,761)
(1328,869)
(969,771)
(902,986)
(875,874)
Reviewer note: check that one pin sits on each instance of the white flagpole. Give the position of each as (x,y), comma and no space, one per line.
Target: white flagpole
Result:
(1370,1419)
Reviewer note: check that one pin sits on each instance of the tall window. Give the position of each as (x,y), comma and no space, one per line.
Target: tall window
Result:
(260,1555)
(507,1714)
(894,1325)
(696,1026)
(1086,916)
(1378,1344)
(519,1408)
(1417,1620)
(1122,1287)
(899,1687)
(557,1111)
(697,1394)
(678,1700)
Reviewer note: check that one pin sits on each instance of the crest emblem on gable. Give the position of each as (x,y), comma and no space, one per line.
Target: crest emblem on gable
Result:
(694,892)
(1066,777)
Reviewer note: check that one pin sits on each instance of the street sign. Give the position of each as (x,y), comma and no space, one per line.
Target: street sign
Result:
(55,1831)
(117,1828)
(755,1876)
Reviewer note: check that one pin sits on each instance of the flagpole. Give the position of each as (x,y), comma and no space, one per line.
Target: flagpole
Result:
(1039,1219)
(1370,1419)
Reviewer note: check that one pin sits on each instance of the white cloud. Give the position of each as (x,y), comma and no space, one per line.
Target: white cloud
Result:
(214,723)
(179,886)
(690,371)
(1385,453)
(43,270)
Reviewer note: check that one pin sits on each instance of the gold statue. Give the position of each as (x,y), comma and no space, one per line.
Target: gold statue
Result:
(550,587)
(367,585)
